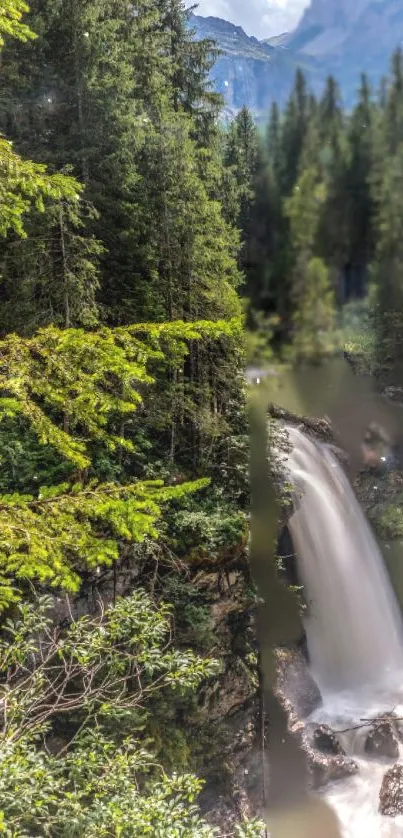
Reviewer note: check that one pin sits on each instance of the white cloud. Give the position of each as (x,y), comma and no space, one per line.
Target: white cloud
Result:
(261,18)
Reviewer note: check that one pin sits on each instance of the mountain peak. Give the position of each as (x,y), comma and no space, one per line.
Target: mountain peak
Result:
(339,37)
(217,24)
(326,24)
(332,13)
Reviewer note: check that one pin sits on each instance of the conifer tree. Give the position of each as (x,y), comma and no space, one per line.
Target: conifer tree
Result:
(51,275)
(313,298)
(359,201)
(242,158)
(388,261)
(294,129)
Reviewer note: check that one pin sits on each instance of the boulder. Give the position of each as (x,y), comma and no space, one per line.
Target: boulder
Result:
(394,394)
(326,742)
(328,769)
(382,741)
(295,682)
(391,794)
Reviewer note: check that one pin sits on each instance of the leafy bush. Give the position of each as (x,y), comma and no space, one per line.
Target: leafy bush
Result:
(388,518)
(97,671)
(207,526)
(95,675)
(193,618)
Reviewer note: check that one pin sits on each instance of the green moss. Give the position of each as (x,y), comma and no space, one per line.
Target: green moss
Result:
(387,518)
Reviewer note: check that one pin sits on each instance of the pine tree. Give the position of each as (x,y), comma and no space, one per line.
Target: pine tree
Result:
(242,158)
(294,130)
(330,115)
(137,122)
(394,104)
(388,261)
(98,105)
(52,275)
(313,297)
(358,200)
(274,140)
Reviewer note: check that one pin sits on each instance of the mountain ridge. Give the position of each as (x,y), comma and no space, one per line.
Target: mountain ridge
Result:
(333,37)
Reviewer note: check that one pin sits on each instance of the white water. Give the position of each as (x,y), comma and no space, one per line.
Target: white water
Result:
(353,624)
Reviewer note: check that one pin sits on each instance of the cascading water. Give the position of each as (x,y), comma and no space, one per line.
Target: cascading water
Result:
(353,623)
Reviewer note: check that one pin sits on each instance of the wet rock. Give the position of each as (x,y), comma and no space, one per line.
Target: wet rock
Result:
(378,451)
(394,394)
(288,558)
(340,455)
(328,769)
(382,741)
(357,362)
(397,723)
(325,740)
(391,794)
(295,682)
(321,428)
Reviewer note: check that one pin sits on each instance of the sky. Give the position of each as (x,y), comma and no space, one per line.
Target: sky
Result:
(261,18)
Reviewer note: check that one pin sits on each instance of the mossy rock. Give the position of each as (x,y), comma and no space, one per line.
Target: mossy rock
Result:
(387,518)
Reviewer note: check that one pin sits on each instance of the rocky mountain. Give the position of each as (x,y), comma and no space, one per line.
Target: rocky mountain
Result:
(247,71)
(340,37)
(346,38)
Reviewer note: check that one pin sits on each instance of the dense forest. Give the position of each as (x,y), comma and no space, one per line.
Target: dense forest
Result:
(320,215)
(122,433)
(137,234)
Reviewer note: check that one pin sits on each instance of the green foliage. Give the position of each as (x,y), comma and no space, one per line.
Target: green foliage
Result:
(25,186)
(100,783)
(105,803)
(155,245)
(314,305)
(72,389)
(74,382)
(260,336)
(11,14)
(324,186)
(104,668)
(388,264)
(313,319)
(52,275)
(24,463)
(140,146)
(388,518)
(71,528)
(193,618)
(82,378)
(208,527)
(95,401)
(251,829)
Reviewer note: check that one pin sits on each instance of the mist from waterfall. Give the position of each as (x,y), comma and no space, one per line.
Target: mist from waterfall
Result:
(353,623)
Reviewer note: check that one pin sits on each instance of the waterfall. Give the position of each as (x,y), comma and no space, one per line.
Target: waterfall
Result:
(353,623)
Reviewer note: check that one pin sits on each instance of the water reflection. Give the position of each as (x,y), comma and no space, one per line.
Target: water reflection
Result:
(350,401)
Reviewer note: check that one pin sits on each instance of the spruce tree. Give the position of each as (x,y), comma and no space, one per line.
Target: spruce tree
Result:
(388,261)
(293,135)
(359,200)
(312,294)
(51,275)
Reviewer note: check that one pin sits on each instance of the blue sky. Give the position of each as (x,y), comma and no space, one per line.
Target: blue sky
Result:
(258,17)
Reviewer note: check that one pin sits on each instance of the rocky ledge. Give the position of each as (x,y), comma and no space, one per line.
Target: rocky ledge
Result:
(300,696)
(382,740)
(321,428)
(391,794)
